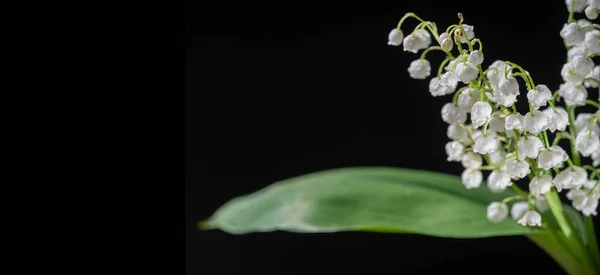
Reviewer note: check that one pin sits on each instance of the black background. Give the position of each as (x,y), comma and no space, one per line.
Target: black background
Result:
(280,90)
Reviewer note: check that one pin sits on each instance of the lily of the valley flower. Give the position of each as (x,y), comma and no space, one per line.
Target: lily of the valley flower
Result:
(531,218)
(540,185)
(539,96)
(419,69)
(557,120)
(471,178)
(418,40)
(497,212)
(480,113)
(395,37)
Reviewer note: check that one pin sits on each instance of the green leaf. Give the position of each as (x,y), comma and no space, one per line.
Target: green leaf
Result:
(556,247)
(375,199)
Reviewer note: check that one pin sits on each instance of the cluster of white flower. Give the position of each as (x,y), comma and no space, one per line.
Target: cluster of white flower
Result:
(484,123)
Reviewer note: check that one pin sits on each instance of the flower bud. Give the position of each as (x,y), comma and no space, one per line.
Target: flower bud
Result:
(499,179)
(471,178)
(471,160)
(446,42)
(591,12)
(395,37)
(497,212)
(475,57)
(452,114)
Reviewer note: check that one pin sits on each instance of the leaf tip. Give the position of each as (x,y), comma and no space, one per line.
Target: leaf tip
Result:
(206,225)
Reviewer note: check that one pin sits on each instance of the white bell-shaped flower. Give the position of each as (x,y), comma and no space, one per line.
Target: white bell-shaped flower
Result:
(449,79)
(497,123)
(541,204)
(497,212)
(480,113)
(554,157)
(507,91)
(471,178)
(471,160)
(485,145)
(595,3)
(540,185)
(535,122)
(531,218)
(419,69)
(539,96)
(395,37)
(454,150)
(470,34)
(592,41)
(517,169)
(446,42)
(475,57)
(587,144)
(437,89)
(576,5)
(590,186)
(577,50)
(457,133)
(467,98)
(591,12)
(499,179)
(418,40)
(452,114)
(466,72)
(569,75)
(583,202)
(497,157)
(583,122)
(570,178)
(529,146)
(593,74)
(573,94)
(582,65)
(518,209)
(558,120)
(496,72)
(514,122)
(571,34)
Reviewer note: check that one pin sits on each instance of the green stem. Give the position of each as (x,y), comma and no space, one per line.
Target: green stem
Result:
(462,30)
(430,49)
(441,68)
(560,136)
(593,103)
(410,14)
(574,152)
